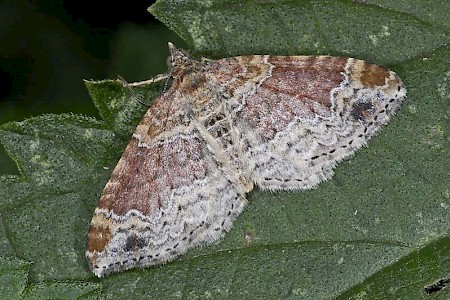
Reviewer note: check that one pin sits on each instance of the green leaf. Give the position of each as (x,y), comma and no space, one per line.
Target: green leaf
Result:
(13,277)
(62,290)
(395,281)
(65,160)
(344,28)
(378,229)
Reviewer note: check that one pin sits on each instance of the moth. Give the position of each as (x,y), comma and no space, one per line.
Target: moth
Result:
(223,127)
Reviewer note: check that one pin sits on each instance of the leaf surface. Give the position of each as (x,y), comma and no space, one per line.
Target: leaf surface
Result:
(379,229)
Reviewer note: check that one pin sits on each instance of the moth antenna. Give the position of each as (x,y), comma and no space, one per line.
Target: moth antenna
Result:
(136,97)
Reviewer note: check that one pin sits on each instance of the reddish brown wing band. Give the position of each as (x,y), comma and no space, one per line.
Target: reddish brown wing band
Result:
(282,122)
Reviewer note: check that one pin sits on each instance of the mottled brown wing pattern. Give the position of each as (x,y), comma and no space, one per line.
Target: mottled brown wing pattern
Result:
(169,192)
(281,122)
(167,206)
(306,114)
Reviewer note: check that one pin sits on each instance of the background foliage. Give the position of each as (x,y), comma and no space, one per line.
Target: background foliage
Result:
(379,229)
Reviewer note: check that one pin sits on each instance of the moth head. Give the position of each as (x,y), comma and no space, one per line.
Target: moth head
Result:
(185,70)
(178,57)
